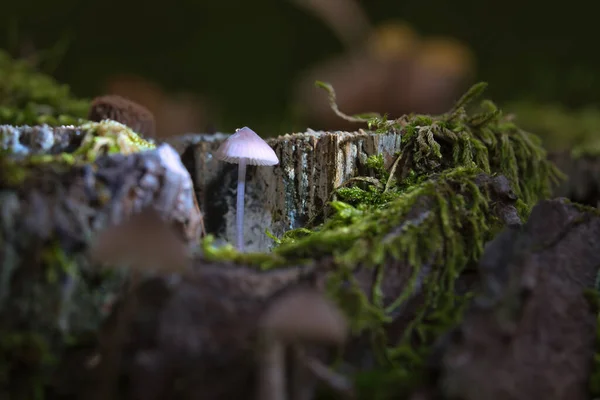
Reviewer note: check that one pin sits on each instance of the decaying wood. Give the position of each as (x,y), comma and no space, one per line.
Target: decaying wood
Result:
(196,335)
(285,196)
(531,333)
(58,210)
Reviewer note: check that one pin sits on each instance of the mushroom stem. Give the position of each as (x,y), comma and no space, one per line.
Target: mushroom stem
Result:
(239,214)
(272,384)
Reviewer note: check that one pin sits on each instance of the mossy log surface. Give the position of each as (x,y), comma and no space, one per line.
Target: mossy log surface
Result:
(312,165)
(531,332)
(394,248)
(50,294)
(199,330)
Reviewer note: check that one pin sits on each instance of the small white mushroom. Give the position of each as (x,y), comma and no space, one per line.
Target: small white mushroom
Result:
(300,316)
(245,147)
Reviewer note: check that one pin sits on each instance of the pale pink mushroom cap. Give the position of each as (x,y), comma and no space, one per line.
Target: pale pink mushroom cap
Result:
(245,143)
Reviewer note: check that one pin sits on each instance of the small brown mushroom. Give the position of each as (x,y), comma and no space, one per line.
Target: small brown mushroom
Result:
(125,111)
(145,242)
(302,316)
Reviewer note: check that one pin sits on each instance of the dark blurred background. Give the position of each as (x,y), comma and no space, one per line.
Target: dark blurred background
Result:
(217,65)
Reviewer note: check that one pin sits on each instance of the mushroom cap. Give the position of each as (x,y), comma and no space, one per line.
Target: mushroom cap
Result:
(125,111)
(305,315)
(246,144)
(145,240)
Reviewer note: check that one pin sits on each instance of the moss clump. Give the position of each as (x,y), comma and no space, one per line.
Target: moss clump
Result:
(109,137)
(469,135)
(561,129)
(374,225)
(28,97)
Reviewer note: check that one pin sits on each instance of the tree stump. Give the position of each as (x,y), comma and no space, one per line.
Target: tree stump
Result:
(287,196)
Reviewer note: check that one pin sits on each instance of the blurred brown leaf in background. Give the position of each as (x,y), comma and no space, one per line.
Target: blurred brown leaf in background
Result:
(390,71)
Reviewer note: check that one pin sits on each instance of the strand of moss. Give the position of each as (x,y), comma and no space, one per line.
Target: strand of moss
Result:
(28,97)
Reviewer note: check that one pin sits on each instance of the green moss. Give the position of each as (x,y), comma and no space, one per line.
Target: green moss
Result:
(28,97)
(370,225)
(484,138)
(229,253)
(356,237)
(110,137)
(57,262)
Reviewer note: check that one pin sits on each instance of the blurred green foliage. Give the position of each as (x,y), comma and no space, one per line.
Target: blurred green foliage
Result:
(559,127)
(28,97)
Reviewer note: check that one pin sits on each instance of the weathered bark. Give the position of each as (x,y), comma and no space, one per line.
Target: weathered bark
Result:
(48,286)
(286,196)
(531,333)
(193,336)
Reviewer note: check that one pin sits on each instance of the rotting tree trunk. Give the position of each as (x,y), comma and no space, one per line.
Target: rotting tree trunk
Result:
(288,195)
(531,333)
(48,219)
(193,336)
